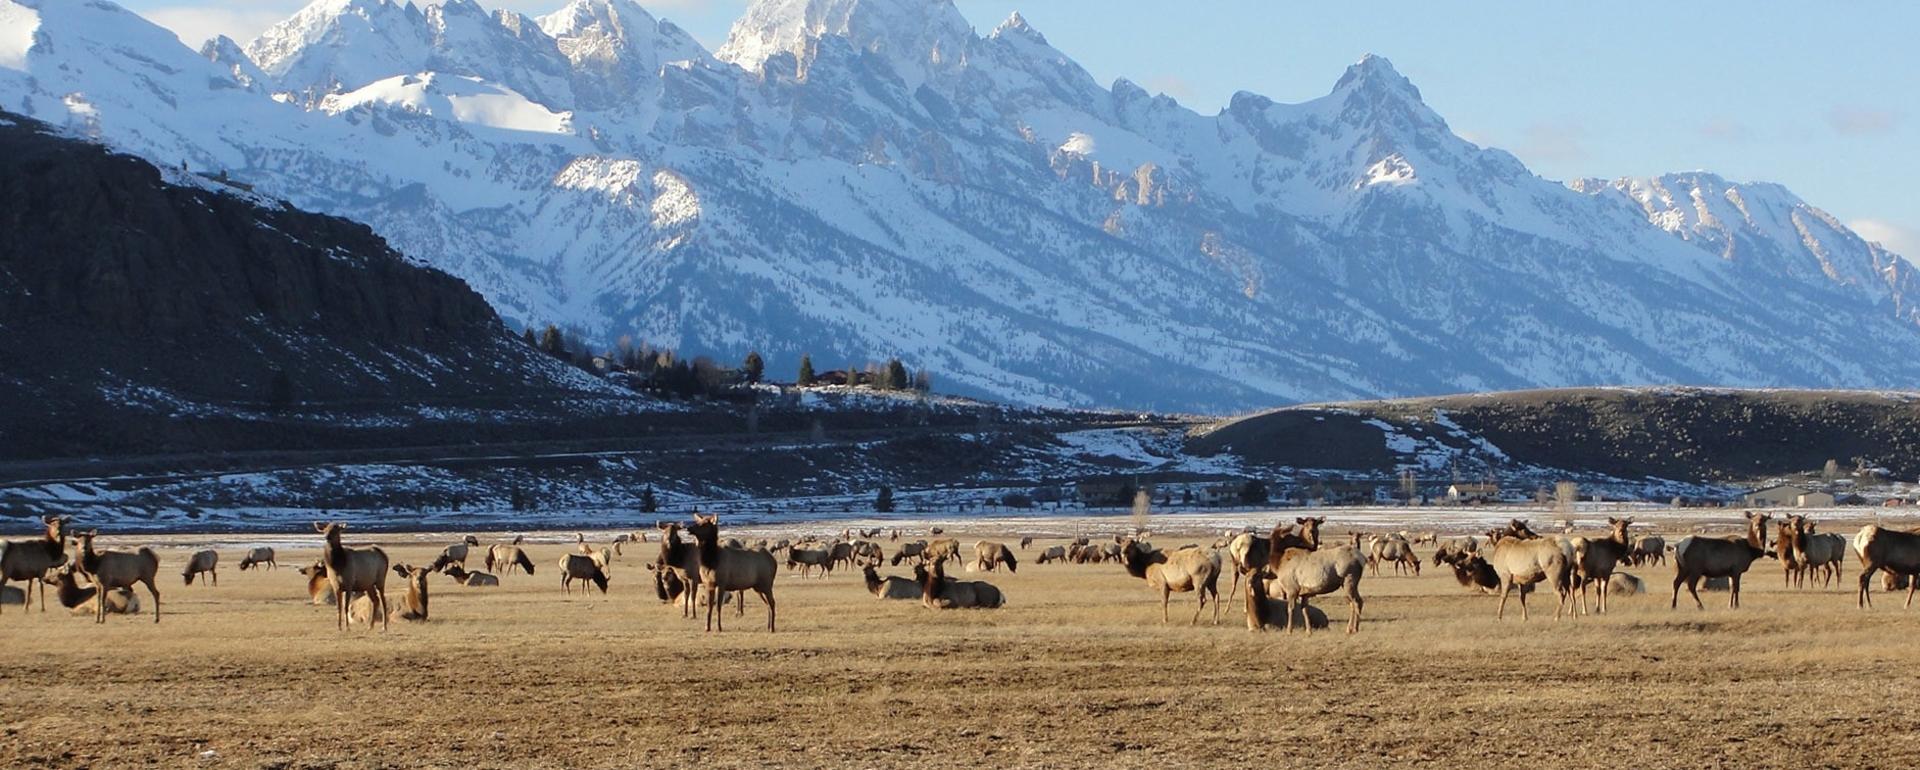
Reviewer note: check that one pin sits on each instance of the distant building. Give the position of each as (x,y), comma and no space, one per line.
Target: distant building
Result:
(1814,500)
(1473,493)
(1780,496)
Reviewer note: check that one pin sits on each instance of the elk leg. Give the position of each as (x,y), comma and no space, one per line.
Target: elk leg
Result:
(1356,604)
(1693,588)
(1506,586)
(1864,598)
(1733,598)
(1913,582)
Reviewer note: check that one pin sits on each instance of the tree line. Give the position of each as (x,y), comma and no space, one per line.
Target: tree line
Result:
(665,372)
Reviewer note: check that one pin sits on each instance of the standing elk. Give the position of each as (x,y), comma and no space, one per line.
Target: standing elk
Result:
(207,561)
(1392,549)
(807,559)
(1887,549)
(1649,549)
(258,556)
(676,573)
(730,569)
(1052,554)
(584,568)
(1026,542)
(1248,551)
(1185,570)
(507,556)
(1301,574)
(988,556)
(1523,562)
(1695,557)
(913,550)
(29,560)
(1264,611)
(942,550)
(351,571)
(1818,551)
(455,554)
(1594,559)
(118,569)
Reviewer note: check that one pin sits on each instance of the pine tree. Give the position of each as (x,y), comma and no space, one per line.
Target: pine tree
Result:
(883,502)
(527,336)
(755,366)
(896,378)
(649,503)
(552,343)
(805,379)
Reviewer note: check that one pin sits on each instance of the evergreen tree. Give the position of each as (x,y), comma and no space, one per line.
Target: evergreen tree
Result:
(552,343)
(527,336)
(922,381)
(649,503)
(754,367)
(805,379)
(896,376)
(883,502)
(1254,492)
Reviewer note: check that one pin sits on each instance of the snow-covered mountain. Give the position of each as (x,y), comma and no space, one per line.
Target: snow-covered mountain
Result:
(864,178)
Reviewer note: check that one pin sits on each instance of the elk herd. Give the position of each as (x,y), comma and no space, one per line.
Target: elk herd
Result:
(700,571)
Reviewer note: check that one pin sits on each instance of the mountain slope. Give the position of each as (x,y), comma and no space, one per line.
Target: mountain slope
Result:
(858,178)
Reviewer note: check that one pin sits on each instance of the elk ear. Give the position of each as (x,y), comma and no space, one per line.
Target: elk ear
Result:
(400,570)
(1301,520)
(319,527)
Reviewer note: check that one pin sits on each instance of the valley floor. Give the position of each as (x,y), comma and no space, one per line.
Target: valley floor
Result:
(1076,672)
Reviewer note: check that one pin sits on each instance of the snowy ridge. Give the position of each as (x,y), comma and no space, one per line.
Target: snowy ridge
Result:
(883,181)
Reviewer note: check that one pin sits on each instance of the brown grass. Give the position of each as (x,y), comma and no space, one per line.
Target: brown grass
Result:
(1076,672)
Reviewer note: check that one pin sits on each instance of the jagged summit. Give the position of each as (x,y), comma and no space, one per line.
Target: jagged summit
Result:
(914,35)
(1017,25)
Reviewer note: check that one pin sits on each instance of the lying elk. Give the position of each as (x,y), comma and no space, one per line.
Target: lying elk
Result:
(472,579)
(1264,612)
(319,589)
(1179,572)
(988,556)
(258,556)
(1886,549)
(207,561)
(119,569)
(351,571)
(1696,557)
(29,560)
(730,569)
(584,568)
(891,587)
(414,605)
(1301,574)
(937,591)
(81,600)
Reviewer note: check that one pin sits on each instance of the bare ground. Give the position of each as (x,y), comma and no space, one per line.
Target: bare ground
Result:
(1076,672)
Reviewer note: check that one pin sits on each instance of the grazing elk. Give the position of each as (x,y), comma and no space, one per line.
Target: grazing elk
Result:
(455,554)
(1026,542)
(118,569)
(1301,574)
(507,556)
(806,559)
(988,556)
(913,550)
(81,600)
(414,605)
(1052,554)
(891,587)
(937,591)
(471,579)
(1470,570)
(207,561)
(730,569)
(258,556)
(351,571)
(1263,611)
(1695,557)
(29,560)
(1649,549)
(584,568)
(1182,571)
(1392,549)
(942,550)
(1887,549)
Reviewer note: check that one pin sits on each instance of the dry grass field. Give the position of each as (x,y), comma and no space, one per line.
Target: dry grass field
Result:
(1076,672)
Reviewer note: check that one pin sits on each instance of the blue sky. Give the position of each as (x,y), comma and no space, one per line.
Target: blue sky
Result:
(1824,99)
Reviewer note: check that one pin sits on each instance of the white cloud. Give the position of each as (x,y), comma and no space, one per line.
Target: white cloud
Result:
(1862,121)
(196,24)
(1901,240)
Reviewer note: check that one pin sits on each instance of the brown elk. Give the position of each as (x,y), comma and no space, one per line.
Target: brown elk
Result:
(1594,559)
(319,589)
(1887,549)
(1470,570)
(937,591)
(988,555)
(507,556)
(1523,562)
(81,600)
(29,560)
(471,579)
(1248,551)
(676,573)
(1301,574)
(414,605)
(118,569)
(730,569)
(942,550)
(584,568)
(1696,557)
(207,561)
(1264,611)
(258,556)
(351,571)
(891,587)
(1182,571)
(1052,554)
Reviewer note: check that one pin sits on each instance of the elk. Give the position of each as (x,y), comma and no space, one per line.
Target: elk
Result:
(806,559)
(207,561)
(1026,542)
(1248,551)
(937,591)
(1886,549)
(1262,609)
(353,570)
(730,569)
(455,554)
(1470,570)
(471,579)
(1523,561)
(942,550)
(988,555)
(81,600)
(916,549)
(508,556)
(1179,572)
(1817,551)
(319,590)
(1301,574)
(1696,557)
(1392,549)
(258,556)
(678,562)
(891,587)
(1649,549)
(118,569)
(584,568)
(1052,554)
(414,606)
(29,560)
(1594,559)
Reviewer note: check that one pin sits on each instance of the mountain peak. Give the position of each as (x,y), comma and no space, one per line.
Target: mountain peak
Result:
(1017,25)
(912,34)
(1374,73)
